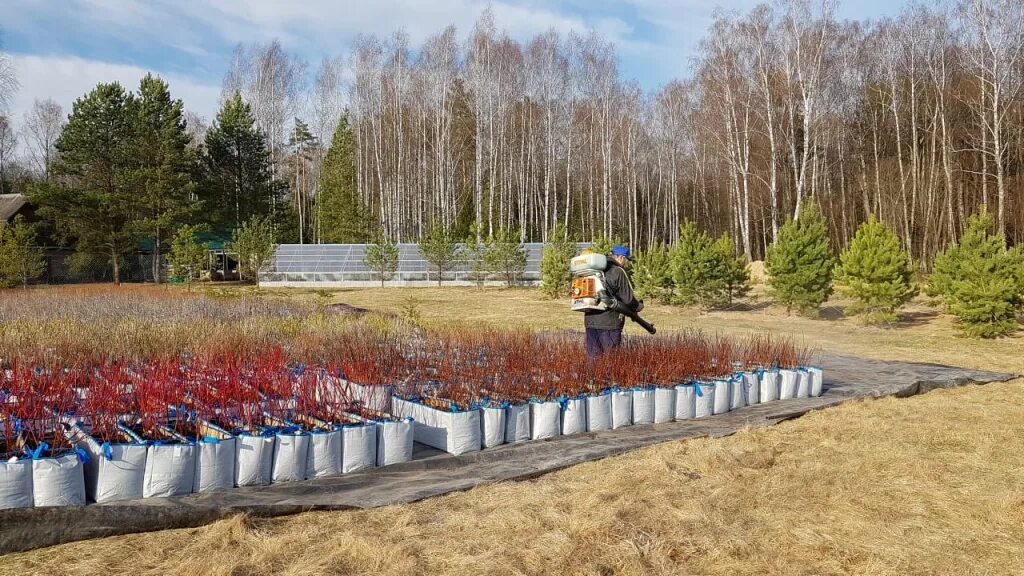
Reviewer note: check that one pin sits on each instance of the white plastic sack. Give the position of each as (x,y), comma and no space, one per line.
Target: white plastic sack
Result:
(817,378)
(58,481)
(170,470)
(751,388)
(254,460)
(574,416)
(643,406)
(622,408)
(373,397)
(545,419)
(664,405)
(453,432)
(704,401)
(16,484)
(114,471)
(769,380)
(215,464)
(492,426)
(599,412)
(686,405)
(359,447)
(803,383)
(394,441)
(738,395)
(291,455)
(517,423)
(723,396)
(787,384)
(324,456)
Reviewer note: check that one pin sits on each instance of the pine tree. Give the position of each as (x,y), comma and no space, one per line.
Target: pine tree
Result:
(555,278)
(474,255)
(21,261)
(876,272)
(343,218)
(188,258)
(735,269)
(980,280)
(505,255)
(239,180)
(652,274)
(254,243)
(166,165)
(439,250)
(94,200)
(382,257)
(799,263)
(699,271)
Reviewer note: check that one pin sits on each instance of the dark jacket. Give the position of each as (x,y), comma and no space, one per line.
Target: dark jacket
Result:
(617,284)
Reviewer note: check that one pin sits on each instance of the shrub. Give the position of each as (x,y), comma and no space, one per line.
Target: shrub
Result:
(21,261)
(980,281)
(505,255)
(800,262)
(876,272)
(652,274)
(555,278)
(382,257)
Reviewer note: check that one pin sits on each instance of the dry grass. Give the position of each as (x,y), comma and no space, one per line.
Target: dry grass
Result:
(927,485)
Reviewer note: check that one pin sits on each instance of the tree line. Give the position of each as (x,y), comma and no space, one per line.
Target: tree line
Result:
(916,121)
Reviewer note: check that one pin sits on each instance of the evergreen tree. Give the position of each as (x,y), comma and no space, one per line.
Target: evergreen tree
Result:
(188,258)
(439,250)
(652,274)
(555,278)
(343,217)
(304,148)
(254,242)
(474,254)
(239,180)
(164,177)
(382,257)
(980,280)
(736,269)
(505,255)
(800,262)
(700,271)
(94,200)
(876,272)
(21,261)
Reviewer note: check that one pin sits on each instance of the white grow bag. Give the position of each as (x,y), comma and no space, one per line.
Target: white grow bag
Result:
(664,405)
(114,471)
(291,456)
(643,405)
(704,403)
(574,415)
(545,419)
(453,432)
(358,447)
(769,380)
(58,481)
(599,412)
(394,441)
(738,394)
(686,402)
(492,426)
(723,396)
(803,383)
(517,423)
(16,484)
(622,408)
(254,460)
(788,381)
(817,379)
(215,464)
(751,388)
(170,470)
(324,456)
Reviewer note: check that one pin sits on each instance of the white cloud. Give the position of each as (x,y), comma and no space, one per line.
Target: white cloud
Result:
(65,78)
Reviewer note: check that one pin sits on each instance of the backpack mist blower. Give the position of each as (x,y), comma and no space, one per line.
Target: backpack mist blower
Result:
(589,291)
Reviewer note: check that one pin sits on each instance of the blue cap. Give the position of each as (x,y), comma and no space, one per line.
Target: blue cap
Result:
(619,250)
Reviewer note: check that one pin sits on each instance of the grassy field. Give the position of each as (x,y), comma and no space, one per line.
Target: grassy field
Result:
(925,485)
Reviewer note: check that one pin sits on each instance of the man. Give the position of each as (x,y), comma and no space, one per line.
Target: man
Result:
(604,327)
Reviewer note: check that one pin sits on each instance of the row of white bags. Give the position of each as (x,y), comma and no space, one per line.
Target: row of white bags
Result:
(113,472)
(467,431)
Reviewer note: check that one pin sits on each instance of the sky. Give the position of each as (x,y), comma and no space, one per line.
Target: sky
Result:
(63,48)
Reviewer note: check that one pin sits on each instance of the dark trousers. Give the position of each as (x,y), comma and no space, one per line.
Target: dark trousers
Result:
(601,341)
